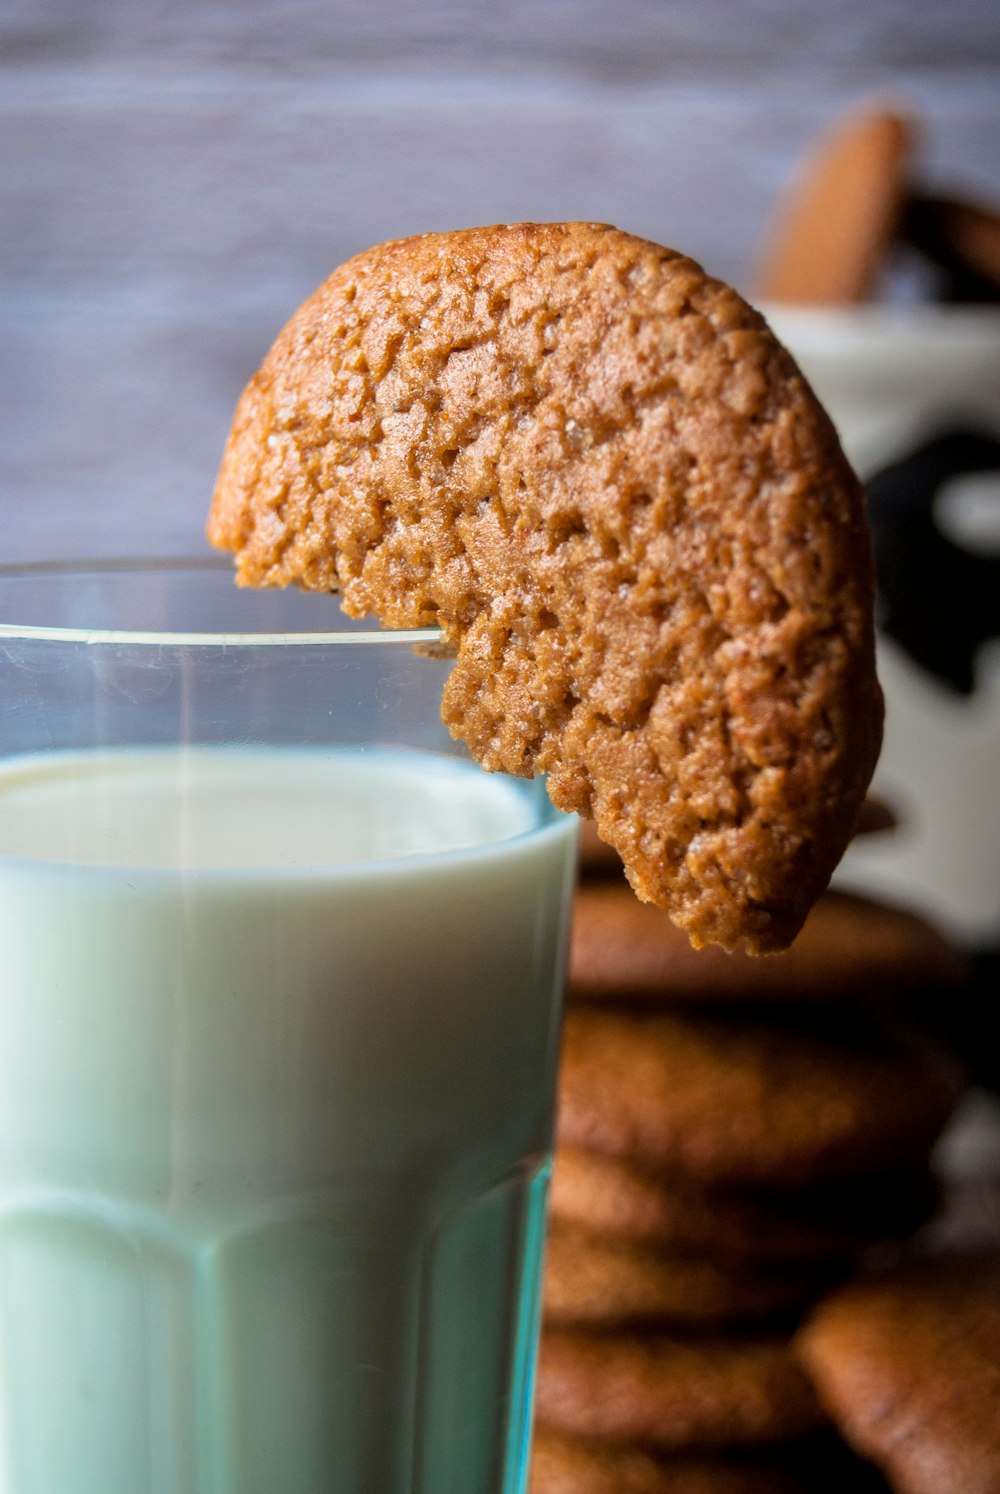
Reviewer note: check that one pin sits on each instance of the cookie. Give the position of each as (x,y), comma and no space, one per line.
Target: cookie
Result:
(672,1393)
(849,948)
(574,1465)
(752,1099)
(598,859)
(594,1281)
(908,1364)
(836,224)
(571,1465)
(597,471)
(834,1221)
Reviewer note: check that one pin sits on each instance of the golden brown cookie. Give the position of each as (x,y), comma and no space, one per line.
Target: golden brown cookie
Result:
(835,226)
(671,1393)
(594,1281)
(598,472)
(572,1465)
(833,1221)
(908,1364)
(849,948)
(750,1098)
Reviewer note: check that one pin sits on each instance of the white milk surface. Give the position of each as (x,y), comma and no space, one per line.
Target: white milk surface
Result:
(278,1032)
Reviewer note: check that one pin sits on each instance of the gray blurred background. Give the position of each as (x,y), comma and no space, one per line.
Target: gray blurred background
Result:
(177,177)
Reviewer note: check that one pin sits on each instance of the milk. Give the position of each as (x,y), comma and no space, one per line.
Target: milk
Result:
(278,1032)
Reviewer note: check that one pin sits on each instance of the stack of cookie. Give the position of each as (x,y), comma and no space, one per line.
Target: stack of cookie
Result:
(735,1135)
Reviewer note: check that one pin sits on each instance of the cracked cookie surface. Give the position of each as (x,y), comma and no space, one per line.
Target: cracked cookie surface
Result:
(596,470)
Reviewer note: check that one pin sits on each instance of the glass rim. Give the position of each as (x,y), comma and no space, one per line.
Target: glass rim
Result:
(200,638)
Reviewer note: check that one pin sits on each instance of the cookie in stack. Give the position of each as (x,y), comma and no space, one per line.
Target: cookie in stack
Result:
(907,1361)
(735,1135)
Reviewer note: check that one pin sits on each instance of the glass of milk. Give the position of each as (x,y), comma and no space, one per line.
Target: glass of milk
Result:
(281,979)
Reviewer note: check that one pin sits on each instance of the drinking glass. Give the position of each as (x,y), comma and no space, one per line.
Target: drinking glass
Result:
(282,973)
